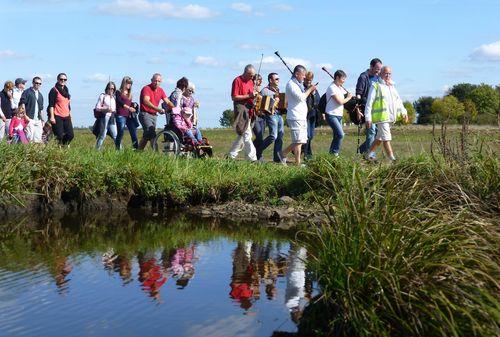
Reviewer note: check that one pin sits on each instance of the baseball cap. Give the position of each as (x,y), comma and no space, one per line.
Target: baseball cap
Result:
(19,81)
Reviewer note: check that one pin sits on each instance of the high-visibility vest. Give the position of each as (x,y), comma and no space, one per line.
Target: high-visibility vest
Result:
(380,113)
(379,107)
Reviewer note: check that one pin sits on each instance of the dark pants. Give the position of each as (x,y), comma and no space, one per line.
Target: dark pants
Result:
(307,148)
(63,130)
(258,129)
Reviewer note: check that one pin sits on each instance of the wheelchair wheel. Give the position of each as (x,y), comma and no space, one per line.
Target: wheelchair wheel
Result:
(167,142)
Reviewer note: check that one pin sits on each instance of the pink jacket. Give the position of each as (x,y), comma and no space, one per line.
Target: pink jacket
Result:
(16,123)
(182,123)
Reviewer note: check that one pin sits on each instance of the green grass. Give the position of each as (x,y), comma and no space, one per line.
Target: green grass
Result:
(408,250)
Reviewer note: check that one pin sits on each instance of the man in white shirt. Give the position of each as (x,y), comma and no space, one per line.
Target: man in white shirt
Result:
(296,116)
(19,86)
(32,100)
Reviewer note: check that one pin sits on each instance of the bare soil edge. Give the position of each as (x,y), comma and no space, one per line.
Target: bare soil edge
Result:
(286,214)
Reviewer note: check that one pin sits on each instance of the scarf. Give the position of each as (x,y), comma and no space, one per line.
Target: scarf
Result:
(63,90)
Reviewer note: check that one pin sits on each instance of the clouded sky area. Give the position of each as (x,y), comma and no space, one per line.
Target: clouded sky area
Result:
(430,44)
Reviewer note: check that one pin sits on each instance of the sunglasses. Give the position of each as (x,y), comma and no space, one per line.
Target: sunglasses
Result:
(37,83)
(63,79)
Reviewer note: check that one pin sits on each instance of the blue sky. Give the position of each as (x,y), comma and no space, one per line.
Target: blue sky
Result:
(431,44)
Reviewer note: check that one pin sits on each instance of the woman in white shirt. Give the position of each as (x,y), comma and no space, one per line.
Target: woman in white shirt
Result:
(334,111)
(106,109)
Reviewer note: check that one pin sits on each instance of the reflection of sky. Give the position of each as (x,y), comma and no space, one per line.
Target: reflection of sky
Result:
(98,303)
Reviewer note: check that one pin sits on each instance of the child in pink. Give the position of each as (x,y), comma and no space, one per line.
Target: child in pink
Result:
(17,125)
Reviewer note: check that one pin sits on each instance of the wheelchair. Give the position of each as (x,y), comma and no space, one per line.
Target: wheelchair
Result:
(171,142)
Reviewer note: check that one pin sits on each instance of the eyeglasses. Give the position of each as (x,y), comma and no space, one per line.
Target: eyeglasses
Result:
(63,79)
(276,79)
(37,83)
(190,90)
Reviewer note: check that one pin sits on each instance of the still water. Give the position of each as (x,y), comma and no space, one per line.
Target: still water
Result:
(119,276)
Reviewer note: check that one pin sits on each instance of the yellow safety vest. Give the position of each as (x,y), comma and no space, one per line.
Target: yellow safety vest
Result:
(379,108)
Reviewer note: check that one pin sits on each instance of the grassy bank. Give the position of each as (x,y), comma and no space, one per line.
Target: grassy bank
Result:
(409,250)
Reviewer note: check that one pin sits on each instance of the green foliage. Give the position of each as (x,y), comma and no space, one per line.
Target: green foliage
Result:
(410,109)
(408,250)
(462,91)
(448,107)
(227,118)
(485,98)
(423,108)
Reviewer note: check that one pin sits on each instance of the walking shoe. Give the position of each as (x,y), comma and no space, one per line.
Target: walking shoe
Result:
(282,158)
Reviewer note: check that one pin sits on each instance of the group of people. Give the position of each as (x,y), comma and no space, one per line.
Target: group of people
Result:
(376,96)
(115,109)
(21,113)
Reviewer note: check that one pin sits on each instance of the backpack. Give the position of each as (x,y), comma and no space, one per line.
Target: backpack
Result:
(322,104)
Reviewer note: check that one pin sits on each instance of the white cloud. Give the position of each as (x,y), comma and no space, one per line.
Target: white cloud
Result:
(328,66)
(283,7)
(241,7)
(487,52)
(272,31)
(156,60)
(150,9)
(9,54)
(249,46)
(207,61)
(97,77)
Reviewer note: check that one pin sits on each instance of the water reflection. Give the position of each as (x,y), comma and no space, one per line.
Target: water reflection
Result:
(256,275)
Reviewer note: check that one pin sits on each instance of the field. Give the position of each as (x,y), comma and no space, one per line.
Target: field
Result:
(407,140)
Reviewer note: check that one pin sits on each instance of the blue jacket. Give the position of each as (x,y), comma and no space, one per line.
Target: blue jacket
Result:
(363,86)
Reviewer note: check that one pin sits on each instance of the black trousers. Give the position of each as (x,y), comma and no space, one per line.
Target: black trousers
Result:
(63,129)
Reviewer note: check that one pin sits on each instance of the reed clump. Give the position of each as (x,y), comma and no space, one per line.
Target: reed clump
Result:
(408,250)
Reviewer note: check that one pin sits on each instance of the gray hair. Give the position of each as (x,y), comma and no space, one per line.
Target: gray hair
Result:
(155,75)
(248,67)
(191,86)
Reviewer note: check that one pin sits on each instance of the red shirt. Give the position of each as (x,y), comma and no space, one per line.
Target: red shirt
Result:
(240,87)
(155,96)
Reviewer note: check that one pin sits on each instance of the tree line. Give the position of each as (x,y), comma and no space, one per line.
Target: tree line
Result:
(478,103)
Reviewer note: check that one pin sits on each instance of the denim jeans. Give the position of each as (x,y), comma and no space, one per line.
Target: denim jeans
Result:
(335,123)
(258,130)
(370,138)
(194,134)
(121,121)
(275,125)
(107,122)
(307,148)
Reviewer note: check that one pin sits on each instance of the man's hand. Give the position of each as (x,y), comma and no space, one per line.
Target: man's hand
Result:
(52,120)
(406,119)
(368,124)
(161,111)
(252,94)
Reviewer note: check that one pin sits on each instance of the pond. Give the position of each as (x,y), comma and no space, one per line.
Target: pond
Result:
(91,275)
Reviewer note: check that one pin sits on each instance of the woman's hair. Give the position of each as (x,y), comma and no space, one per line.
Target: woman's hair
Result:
(109,85)
(182,83)
(126,80)
(310,75)
(8,85)
(339,74)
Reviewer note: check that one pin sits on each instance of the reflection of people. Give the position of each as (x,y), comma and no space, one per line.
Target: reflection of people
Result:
(62,270)
(241,279)
(180,264)
(150,275)
(295,281)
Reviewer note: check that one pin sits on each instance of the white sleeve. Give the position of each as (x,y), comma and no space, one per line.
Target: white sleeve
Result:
(399,103)
(100,102)
(296,92)
(369,103)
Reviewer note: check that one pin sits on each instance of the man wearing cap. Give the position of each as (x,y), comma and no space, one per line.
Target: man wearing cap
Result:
(17,92)
(32,100)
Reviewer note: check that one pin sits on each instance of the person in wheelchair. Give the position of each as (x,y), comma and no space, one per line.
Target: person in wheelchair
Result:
(17,127)
(183,119)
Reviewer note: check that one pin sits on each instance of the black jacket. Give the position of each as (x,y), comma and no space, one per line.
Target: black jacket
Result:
(28,98)
(363,86)
(6,104)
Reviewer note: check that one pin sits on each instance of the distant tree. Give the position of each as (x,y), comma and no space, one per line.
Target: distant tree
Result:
(227,118)
(423,108)
(485,98)
(462,91)
(410,109)
(470,110)
(449,108)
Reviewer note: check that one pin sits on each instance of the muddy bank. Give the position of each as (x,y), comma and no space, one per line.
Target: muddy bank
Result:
(284,213)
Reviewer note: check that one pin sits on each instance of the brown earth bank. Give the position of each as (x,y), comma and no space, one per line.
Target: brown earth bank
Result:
(285,213)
